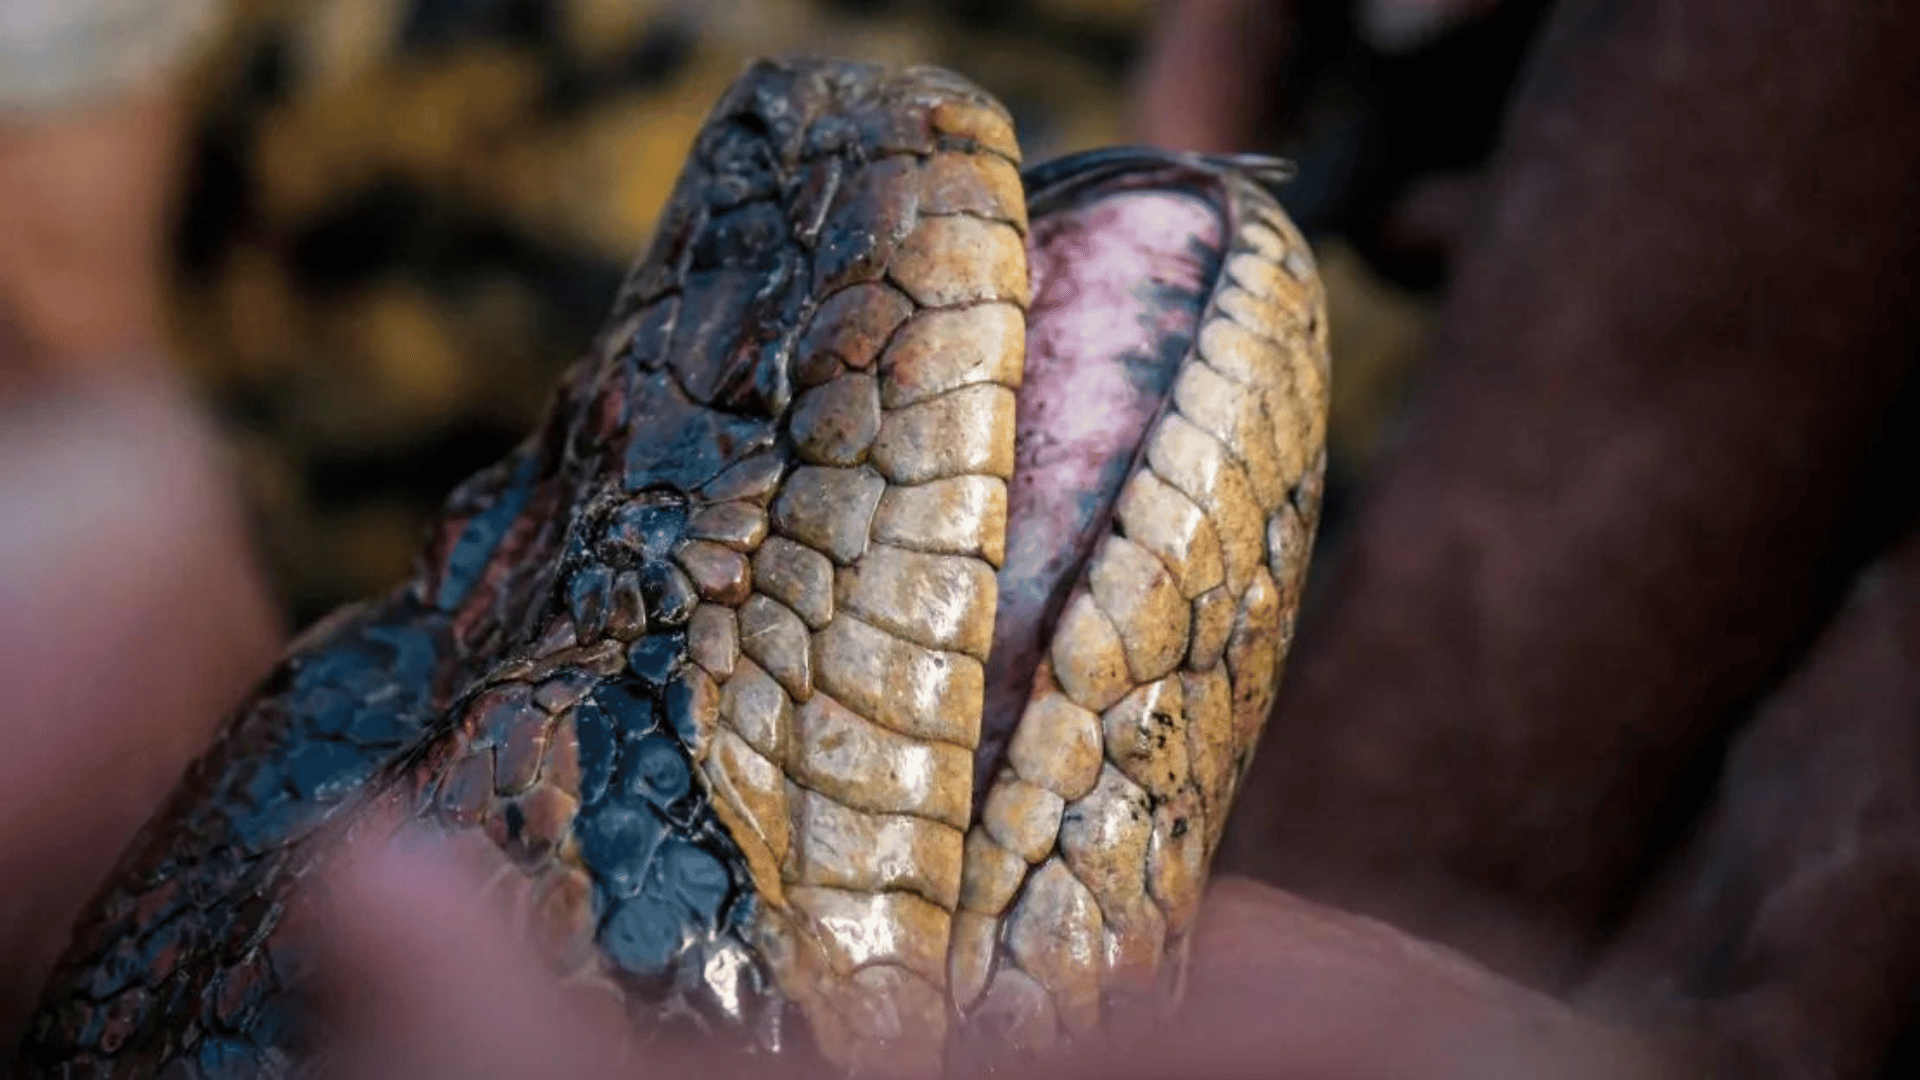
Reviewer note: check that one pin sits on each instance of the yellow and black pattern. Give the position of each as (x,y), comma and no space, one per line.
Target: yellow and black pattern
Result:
(402,218)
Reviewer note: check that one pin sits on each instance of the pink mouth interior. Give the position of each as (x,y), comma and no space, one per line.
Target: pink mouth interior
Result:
(1119,284)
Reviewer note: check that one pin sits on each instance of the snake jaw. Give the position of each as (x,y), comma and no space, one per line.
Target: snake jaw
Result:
(841,643)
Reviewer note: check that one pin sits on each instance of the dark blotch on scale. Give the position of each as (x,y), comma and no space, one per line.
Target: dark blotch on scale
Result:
(666,879)
(589,599)
(680,902)
(748,238)
(630,705)
(656,770)
(594,730)
(466,563)
(327,770)
(624,580)
(618,842)
(684,444)
(741,164)
(647,531)
(642,936)
(223,1057)
(653,657)
(669,595)
(366,696)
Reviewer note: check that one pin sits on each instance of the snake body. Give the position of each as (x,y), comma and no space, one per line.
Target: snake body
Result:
(839,651)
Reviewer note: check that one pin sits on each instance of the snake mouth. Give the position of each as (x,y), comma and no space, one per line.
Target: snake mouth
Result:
(1163,493)
(1120,281)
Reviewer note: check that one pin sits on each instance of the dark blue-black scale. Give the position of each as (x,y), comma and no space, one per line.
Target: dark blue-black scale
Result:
(483,532)
(352,706)
(654,657)
(638,536)
(670,886)
(327,720)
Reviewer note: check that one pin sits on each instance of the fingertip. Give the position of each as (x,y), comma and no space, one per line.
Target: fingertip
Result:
(132,615)
(422,972)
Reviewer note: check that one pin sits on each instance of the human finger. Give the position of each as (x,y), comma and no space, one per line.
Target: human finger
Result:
(425,971)
(1786,933)
(132,613)
(1630,490)
(423,974)
(1211,75)
(1280,987)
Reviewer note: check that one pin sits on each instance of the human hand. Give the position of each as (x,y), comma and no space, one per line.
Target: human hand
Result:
(132,615)
(425,976)
(1214,73)
(1628,602)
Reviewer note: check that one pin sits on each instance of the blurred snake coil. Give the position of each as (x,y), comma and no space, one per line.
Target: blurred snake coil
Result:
(860,658)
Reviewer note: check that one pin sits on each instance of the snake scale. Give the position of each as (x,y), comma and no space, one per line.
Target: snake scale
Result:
(868,643)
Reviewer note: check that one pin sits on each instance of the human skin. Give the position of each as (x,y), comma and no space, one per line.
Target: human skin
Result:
(1657,445)
(133,612)
(1623,451)
(132,615)
(1784,934)
(80,232)
(426,978)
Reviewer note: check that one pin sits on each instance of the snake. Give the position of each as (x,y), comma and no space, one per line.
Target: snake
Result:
(860,658)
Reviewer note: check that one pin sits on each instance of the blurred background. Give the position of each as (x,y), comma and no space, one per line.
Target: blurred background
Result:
(396,220)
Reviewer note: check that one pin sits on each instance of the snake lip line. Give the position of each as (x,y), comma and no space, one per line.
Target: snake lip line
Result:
(863,654)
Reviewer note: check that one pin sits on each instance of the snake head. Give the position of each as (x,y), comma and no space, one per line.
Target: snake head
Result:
(1041,461)
(869,646)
